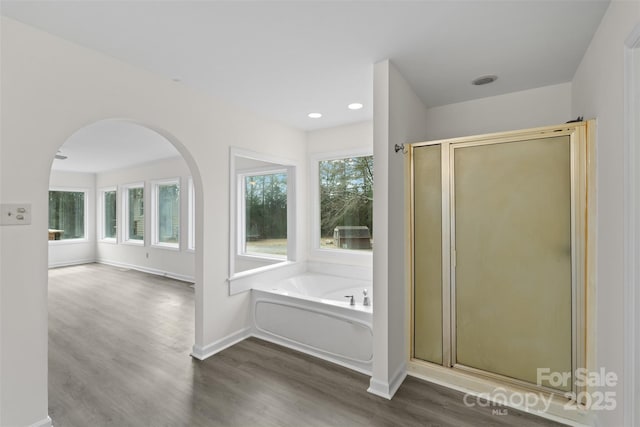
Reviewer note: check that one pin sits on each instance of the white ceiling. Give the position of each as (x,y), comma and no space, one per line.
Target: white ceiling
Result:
(286,59)
(112,144)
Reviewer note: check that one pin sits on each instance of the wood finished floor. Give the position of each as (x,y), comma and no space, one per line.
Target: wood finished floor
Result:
(119,344)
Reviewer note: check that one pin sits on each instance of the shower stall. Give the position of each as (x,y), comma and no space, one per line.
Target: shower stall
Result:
(499,232)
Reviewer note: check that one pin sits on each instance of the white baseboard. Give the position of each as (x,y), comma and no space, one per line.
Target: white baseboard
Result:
(73,262)
(209,350)
(43,423)
(388,389)
(154,271)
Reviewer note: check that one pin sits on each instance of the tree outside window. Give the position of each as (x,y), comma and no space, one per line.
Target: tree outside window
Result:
(346,203)
(110,218)
(135,213)
(168,213)
(266,214)
(67,214)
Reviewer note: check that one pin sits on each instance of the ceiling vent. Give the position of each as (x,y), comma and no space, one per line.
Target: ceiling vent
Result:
(484,80)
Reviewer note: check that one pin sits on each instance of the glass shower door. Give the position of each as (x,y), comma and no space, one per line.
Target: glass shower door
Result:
(512,257)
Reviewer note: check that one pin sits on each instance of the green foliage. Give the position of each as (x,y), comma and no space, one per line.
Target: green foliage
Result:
(266,206)
(66,212)
(346,193)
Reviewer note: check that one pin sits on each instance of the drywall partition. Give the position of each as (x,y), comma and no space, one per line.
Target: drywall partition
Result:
(599,91)
(340,138)
(61,252)
(544,106)
(178,263)
(399,117)
(50,89)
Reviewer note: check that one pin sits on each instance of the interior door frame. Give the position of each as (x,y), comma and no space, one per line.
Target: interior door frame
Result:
(632,229)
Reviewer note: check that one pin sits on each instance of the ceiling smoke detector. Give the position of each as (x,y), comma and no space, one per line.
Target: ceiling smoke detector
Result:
(484,80)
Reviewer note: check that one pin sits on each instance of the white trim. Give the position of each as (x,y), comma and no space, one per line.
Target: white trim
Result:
(204,352)
(388,389)
(73,262)
(191,215)
(343,256)
(154,271)
(47,422)
(236,205)
(631,407)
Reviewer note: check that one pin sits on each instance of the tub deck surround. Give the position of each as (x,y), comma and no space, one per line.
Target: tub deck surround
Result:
(263,276)
(309,313)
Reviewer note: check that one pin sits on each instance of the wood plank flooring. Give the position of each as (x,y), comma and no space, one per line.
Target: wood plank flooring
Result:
(119,344)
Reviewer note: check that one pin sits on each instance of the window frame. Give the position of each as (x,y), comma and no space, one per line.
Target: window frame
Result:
(155,205)
(125,236)
(102,217)
(84,239)
(242,211)
(349,256)
(294,214)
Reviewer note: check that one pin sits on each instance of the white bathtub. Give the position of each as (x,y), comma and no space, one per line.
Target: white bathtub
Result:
(310,313)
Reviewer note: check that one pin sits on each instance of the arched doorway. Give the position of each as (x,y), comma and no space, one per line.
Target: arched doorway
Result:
(125,200)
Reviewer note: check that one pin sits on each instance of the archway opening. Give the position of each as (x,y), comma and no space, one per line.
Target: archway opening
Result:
(123,264)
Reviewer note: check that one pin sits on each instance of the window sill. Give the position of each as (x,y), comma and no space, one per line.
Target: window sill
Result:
(166,246)
(251,256)
(109,241)
(133,242)
(68,242)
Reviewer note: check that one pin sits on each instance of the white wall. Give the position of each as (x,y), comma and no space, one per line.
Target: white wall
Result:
(340,138)
(545,106)
(63,252)
(50,89)
(170,262)
(399,117)
(598,91)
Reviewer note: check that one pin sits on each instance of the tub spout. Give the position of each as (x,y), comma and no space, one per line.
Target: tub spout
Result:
(365,301)
(352,301)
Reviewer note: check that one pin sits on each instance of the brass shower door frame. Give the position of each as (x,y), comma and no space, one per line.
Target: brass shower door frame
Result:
(581,172)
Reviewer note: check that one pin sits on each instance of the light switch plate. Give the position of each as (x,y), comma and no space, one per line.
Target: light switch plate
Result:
(15,213)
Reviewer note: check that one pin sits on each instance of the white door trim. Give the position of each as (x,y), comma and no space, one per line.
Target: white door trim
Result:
(632,229)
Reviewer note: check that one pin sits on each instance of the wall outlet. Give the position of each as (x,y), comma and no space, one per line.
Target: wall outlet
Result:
(15,214)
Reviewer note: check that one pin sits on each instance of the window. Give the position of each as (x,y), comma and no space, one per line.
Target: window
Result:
(67,212)
(109,214)
(191,241)
(345,197)
(166,214)
(265,213)
(133,202)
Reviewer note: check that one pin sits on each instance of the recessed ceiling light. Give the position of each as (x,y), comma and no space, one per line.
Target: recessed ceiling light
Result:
(484,80)
(315,115)
(355,106)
